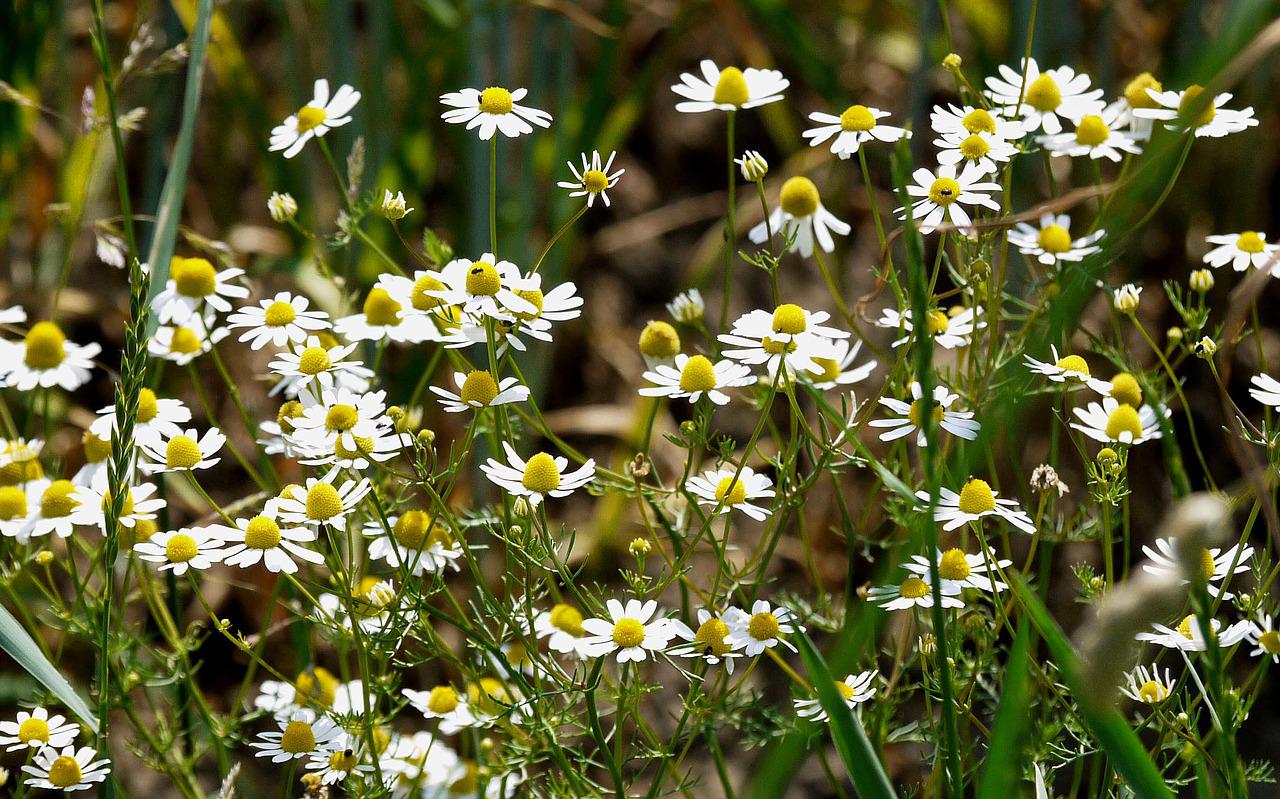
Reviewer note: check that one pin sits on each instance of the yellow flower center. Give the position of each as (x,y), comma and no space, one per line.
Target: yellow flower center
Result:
(263,532)
(380,309)
(410,530)
(148,405)
(1043,94)
(1073,363)
(954,565)
(184,341)
(288,412)
(1054,239)
(913,588)
(799,197)
(1135,93)
(279,314)
(1208,567)
(1251,242)
(314,360)
(1190,98)
(466,784)
(974,148)
(341,418)
(533,297)
(764,626)
(1153,692)
(323,502)
(126,509)
(363,446)
(13,503)
(1184,626)
(345,761)
(317,686)
(181,548)
(64,772)
(1124,419)
(976,497)
(33,729)
(182,452)
(595,181)
(857,119)
(773,347)
(659,340)
(734,496)
(24,468)
(540,474)
(628,633)
(567,619)
(1092,131)
(712,634)
(97,449)
(979,120)
(731,88)
(479,387)
(298,738)
(1270,641)
(944,191)
(443,700)
(830,369)
(698,375)
(310,117)
(846,690)
(483,279)
(495,100)
(194,277)
(917,410)
(937,321)
(56,501)
(1125,389)
(46,346)
(419,297)
(789,319)
(485,692)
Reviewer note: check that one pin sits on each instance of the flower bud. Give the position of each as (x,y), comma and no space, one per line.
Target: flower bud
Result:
(1127,298)
(687,307)
(44,557)
(521,508)
(282,206)
(393,206)
(953,62)
(426,437)
(1174,334)
(1206,348)
(639,547)
(659,340)
(1201,281)
(753,166)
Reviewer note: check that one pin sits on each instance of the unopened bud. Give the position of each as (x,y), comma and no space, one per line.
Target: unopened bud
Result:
(1201,281)
(282,206)
(753,166)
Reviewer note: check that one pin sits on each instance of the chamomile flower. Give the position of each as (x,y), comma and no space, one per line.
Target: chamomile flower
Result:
(710,641)
(52,513)
(594,178)
(194,284)
(855,126)
(180,550)
(1262,634)
(382,316)
(301,734)
(339,760)
(17,505)
(487,287)
(340,420)
(183,343)
(975,501)
(728,489)
(321,502)
(539,477)
(1212,119)
(315,687)
(443,702)
(373,603)
(1044,98)
(910,416)
(728,89)
(1266,389)
(800,213)
(97,451)
(320,115)
(1127,298)
(1113,422)
(418,763)
(1148,686)
(1097,135)
(478,389)
(1069,369)
(319,367)
(43,358)
(763,628)
(157,417)
(1051,242)
(838,369)
(1243,250)
(915,592)
(944,192)
(562,626)
(20,461)
(37,729)
(493,110)
(1216,564)
(687,307)
(1189,637)
(414,542)
(962,569)
(630,630)
(854,690)
(92,501)
(280,320)
(950,121)
(184,452)
(790,337)
(693,377)
(262,539)
(949,329)
(985,150)
(68,770)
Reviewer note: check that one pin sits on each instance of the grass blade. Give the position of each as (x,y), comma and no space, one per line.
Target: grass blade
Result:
(1002,771)
(26,652)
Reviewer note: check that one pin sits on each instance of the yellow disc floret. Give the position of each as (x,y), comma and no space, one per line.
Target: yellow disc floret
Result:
(1092,131)
(341,418)
(1153,692)
(1270,641)
(799,197)
(541,475)
(1125,389)
(496,100)
(479,388)
(1135,93)
(628,633)
(731,496)
(659,340)
(1073,363)
(567,618)
(977,498)
(1251,242)
(410,530)
(789,319)
(595,181)
(937,321)
(148,405)
(298,738)
(857,119)
(97,449)
(310,117)
(1190,100)
(64,772)
(380,309)
(712,634)
(954,565)
(314,360)
(764,626)
(1054,239)
(279,314)
(1043,94)
(731,88)
(913,588)
(974,148)
(944,191)
(57,500)
(535,298)
(419,297)
(46,346)
(182,452)
(323,502)
(184,341)
(979,120)
(262,532)
(13,503)
(1124,419)
(181,548)
(918,409)
(483,279)
(33,729)
(443,700)
(698,375)
(194,277)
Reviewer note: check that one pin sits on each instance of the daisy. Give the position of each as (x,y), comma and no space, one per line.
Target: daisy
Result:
(1243,250)
(68,770)
(1096,135)
(320,502)
(855,126)
(339,419)
(1044,99)
(373,603)
(540,477)
(1188,636)
(280,320)
(16,505)
(1051,242)
(949,330)
(418,763)
(53,513)
(301,734)
(185,452)
(382,316)
(838,370)
(262,539)
(44,359)
(1147,685)
(156,417)
(182,344)
(36,730)
(728,489)
(630,630)
(393,206)
(560,304)
(416,294)
(963,570)
(1126,298)
(915,592)
(414,542)
(188,548)
(445,703)
(711,641)
(91,503)
(728,89)
(338,760)
(1070,369)
(800,213)
(687,307)
(951,121)
(986,150)
(695,376)
(854,690)
(943,193)
(1216,565)
(487,288)
(96,451)
(911,416)
(1266,389)
(752,165)
(562,627)
(316,118)
(478,389)
(593,180)
(494,109)
(1262,634)
(194,283)
(320,367)
(1113,422)
(763,628)
(790,336)
(315,686)
(975,500)
(1213,120)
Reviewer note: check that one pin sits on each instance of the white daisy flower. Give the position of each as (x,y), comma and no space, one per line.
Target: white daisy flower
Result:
(20,460)
(1044,98)
(316,686)
(942,194)
(417,294)
(322,114)
(540,477)
(382,316)
(562,627)
(1051,242)
(800,213)
(180,550)
(727,489)
(301,734)
(281,320)
(445,703)
(1126,298)
(478,389)
(1189,637)
(414,543)
(1147,686)
(1262,634)
(157,417)
(728,89)
(961,569)
(854,690)
(594,178)
(631,631)
(1216,565)
(1096,135)
(1112,422)
(320,368)
(44,358)
(985,150)
(184,452)
(950,121)
(710,642)
(92,500)
(911,416)
(263,539)
(1266,389)
(52,513)
(687,307)
(949,330)
(1213,121)
(37,729)
(183,343)
(320,502)
(975,500)
(839,370)
(763,628)
(487,287)
(97,451)
(18,504)
(494,109)
(696,376)
(195,284)
(393,206)
(338,760)
(339,419)
(68,770)
(281,206)
(1243,250)
(1135,96)
(856,125)
(1069,369)
(915,592)
(417,763)
(789,336)
(373,604)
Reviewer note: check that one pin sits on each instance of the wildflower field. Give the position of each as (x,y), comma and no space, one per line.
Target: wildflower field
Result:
(634,400)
